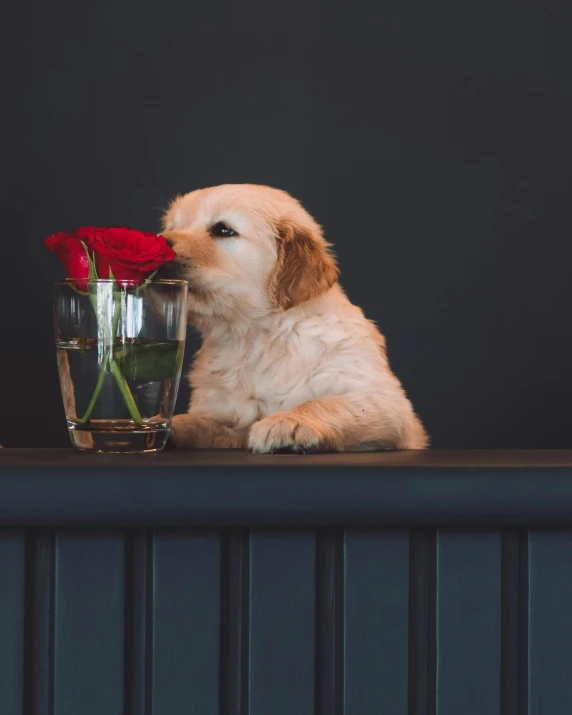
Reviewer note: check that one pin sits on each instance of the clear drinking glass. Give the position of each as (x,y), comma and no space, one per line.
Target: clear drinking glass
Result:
(120,351)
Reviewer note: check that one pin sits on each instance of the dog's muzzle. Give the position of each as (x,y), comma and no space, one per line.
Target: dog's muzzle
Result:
(174,270)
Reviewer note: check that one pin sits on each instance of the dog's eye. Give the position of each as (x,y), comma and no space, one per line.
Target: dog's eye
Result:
(221,230)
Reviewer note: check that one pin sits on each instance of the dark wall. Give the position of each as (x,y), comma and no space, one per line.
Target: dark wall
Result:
(432,140)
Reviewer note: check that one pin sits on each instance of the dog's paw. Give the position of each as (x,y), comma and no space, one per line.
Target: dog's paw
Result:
(192,431)
(184,431)
(285,431)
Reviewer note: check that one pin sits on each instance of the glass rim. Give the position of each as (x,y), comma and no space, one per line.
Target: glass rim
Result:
(123,281)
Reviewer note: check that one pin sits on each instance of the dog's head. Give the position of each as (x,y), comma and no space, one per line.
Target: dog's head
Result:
(246,250)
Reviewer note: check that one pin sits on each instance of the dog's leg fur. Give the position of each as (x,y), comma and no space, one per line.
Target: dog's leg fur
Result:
(336,424)
(193,431)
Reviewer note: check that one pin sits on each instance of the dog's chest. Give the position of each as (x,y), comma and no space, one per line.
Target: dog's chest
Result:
(241,379)
(261,377)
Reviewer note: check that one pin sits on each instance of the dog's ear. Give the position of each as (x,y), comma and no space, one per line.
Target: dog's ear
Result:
(305,268)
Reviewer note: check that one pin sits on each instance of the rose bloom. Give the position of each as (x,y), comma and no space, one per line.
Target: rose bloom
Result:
(131,255)
(69,249)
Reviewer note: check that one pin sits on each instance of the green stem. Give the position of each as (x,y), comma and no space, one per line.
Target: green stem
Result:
(126,392)
(108,359)
(98,388)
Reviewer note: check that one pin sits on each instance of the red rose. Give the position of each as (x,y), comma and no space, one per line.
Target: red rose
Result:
(132,255)
(69,249)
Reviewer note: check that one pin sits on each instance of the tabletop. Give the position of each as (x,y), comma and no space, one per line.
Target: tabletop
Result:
(62,487)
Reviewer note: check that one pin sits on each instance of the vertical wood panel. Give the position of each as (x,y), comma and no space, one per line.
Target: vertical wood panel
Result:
(468,623)
(550,623)
(12,558)
(186,619)
(282,623)
(89,601)
(376,623)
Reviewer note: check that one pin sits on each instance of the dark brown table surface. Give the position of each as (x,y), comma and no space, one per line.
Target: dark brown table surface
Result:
(465,459)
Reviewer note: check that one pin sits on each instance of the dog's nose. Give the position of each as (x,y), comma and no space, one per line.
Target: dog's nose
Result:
(169,241)
(174,269)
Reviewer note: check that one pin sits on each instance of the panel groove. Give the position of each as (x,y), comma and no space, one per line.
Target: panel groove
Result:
(523,641)
(340,557)
(329,666)
(510,623)
(234,618)
(138,622)
(38,697)
(245,601)
(514,637)
(422,623)
(149,618)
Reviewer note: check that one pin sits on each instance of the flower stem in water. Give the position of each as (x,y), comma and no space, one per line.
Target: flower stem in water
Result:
(109,360)
(126,392)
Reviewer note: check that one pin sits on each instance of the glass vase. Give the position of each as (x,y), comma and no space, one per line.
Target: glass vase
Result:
(120,351)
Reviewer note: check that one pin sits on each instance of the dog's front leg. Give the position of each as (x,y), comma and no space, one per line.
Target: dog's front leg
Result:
(333,424)
(195,431)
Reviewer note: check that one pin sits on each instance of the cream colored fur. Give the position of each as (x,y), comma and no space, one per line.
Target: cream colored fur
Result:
(287,361)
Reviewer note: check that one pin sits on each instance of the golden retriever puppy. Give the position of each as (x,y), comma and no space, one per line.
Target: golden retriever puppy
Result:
(287,362)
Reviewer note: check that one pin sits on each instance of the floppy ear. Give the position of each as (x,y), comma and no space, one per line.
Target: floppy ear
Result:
(305,269)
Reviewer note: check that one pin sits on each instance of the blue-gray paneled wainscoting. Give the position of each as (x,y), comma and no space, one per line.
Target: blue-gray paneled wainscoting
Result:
(228,584)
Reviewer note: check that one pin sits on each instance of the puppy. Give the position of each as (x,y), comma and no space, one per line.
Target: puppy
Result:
(287,362)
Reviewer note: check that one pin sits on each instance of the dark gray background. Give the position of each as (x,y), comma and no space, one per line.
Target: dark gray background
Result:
(432,140)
